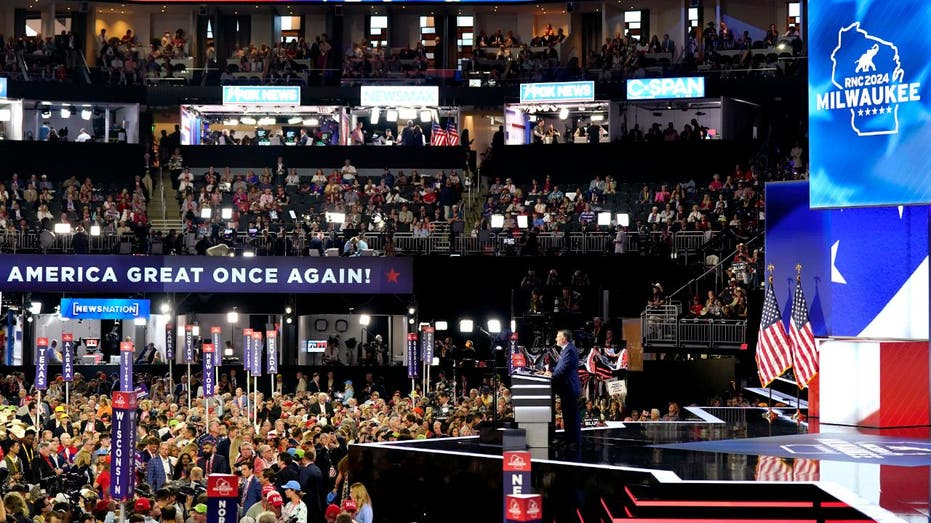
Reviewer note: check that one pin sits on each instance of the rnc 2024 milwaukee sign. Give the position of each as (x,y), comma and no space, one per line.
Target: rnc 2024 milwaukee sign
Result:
(109,274)
(867,104)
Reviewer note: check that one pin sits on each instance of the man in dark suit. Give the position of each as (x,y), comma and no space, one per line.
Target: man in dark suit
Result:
(251,492)
(667,45)
(314,386)
(210,462)
(567,385)
(46,465)
(322,407)
(158,469)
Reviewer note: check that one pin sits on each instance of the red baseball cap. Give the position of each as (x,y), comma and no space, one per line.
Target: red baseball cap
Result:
(331,512)
(274,499)
(143,505)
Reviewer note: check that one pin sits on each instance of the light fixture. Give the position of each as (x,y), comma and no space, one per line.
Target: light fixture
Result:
(604,219)
(231,122)
(513,325)
(440,325)
(248,120)
(62,228)
(522,221)
(6,115)
(376,113)
(564,113)
(364,320)
(494,326)
(228,351)
(65,112)
(288,310)
(226,213)
(598,117)
(195,330)
(311,122)
(95,230)
(410,321)
(466,325)
(288,320)
(294,120)
(232,317)
(140,322)
(407,113)
(165,307)
(35,307)
(391,115)
(268,120)
(206,213)
(411,310)
(623,219)
(497,221)
(248,254)
(335,217)
(426,116)
(86,114)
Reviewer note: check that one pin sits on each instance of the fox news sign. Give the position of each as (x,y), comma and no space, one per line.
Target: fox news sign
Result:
(867,103)
(665,88)
(556,92)
(262,94)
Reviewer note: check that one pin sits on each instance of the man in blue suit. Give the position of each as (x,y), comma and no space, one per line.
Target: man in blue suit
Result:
(158,470)
(567,385)
(251,488)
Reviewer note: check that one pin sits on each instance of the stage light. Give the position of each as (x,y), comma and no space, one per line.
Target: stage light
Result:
(497,221)
(391,115)
(311,122)
(335,217)
(35,307)
(406,113)
(140,322)
(62,228)
(292,214)
(206,213)
(268,120)
(46,109)
(426,116)
(564,113)
(364,320)
(441,325)
(228,351)
(165,308)
(195,330)
(248,254)
(466,326)
(6,115)
(522,221)
(248,120)
(494,326)
(288,320)
(623,219)
(95,230)
(376,113)
(226,213)
(513,326)
(65,112)
(604,219)
(294,120)
(598,117)
(231,122)
(410,321)
(411,310)
(288,310)
(232,317)
(86,114)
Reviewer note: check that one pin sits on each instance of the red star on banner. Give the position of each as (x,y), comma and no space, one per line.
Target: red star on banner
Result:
(393,275)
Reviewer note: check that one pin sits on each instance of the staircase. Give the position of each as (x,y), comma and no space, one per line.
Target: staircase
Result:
(164,210)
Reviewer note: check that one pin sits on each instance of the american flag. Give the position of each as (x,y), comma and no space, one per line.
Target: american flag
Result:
(804,351)
(772,468)
(772,346)
(452,133)
(437,135)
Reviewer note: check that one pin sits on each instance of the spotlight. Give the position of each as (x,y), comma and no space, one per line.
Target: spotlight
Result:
(598,117)
(248,120)
(206,213)
(466,326)
(62,228)
(364,320)
(86,114)
(311,122)
(426,116)
(391,115)
(373,118)
(288,310)
(410,321)
(268,120)
(564,113)
(406,113)
(441,325)
(226,213)
(513,326)
(288,320)
(95,230)
(623,219)
(604,219)
(65,112)
(165,307)
(494,326)
(411,310)
(294,120)
(195,330)
(232,317)
(231,122)
(35,307)
(248,254)
(497,221)
(522,221)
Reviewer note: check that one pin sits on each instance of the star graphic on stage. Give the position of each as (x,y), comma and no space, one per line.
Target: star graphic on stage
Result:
(392,275)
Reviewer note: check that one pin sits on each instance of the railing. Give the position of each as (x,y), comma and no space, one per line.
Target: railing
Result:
(45,242)
(662,329)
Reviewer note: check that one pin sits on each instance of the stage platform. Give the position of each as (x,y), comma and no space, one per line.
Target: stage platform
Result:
(719,464)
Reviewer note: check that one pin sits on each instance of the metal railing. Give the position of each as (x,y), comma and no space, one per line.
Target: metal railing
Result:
(664,330)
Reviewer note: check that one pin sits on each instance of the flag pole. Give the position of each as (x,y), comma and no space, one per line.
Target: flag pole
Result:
(769,417)
(798,388)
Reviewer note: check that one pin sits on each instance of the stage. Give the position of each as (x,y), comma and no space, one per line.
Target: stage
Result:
(720,463)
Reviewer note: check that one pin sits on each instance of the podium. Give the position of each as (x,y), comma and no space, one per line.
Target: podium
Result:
(532,399)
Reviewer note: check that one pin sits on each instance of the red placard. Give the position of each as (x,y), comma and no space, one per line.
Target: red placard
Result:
(516,461)
(126,345)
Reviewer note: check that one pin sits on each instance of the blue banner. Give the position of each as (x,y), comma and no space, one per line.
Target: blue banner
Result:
(126,366)
(867,102)
(193,274)
(247,349)
(216,336)
(42,363)
(170,343)
(67,356)
(665,88)
(123,449)
(256,353)
(426,344)
(10,336)
(223,498)
(413,362)
(272,337)
(262,94)
(512,350)
(103,309)
(3,88)
(209,380)
(188,344)
(555,92)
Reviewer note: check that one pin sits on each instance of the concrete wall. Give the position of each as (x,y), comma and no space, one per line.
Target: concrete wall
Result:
(262,29)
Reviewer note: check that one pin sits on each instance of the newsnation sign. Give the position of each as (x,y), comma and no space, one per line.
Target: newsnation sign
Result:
(109,274)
